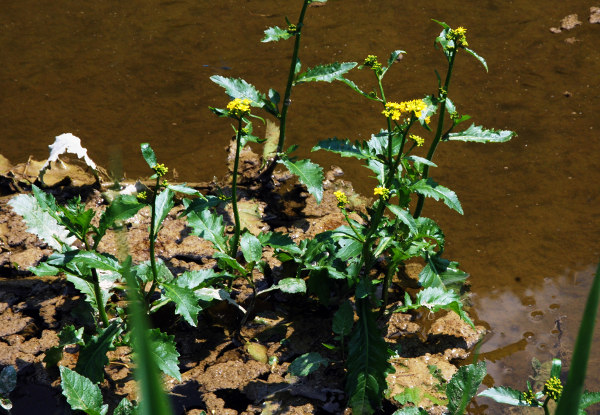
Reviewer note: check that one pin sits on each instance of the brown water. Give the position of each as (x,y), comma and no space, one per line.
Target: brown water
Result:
(120,73)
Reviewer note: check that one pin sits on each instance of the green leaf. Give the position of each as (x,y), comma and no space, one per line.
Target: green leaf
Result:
(476,56)
(275,34)
(504,394)
(92,357)
(309,174)
(81,393)
(391,60)
(196,279)
(307,364)
(121,208)
(478,134)
(251,247)
(84,260)
(8,380)
(436,299)
(409,395)
(588,399)
(367,362)
(556,367)
(342,147)
(328,73)
(40,222)
(148,155)
(343,319)
(186,303)
(238,88)
(463,387)
(229,263)
(413,410)
(289,286)
(86,287)
(125,408)
(279,241)
(163,205)
(574,388)
(405,216)
(165,353)
(209,226)
(428,187)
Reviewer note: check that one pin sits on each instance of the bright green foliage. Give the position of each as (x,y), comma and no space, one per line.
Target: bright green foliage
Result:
(428,187)
(436,299)
(92,356)
(327,73)
(208,226)
(307,364)
(81,393)
(463,387)
(186,302)
(409,395)
(275,34)
(309,174)
(367,362)
(479,134)
(504,394)
(164,353)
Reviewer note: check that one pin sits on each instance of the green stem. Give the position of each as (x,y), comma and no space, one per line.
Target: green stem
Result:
(98,296)
(438,134)
(153,241)
(236,216)
(290,81)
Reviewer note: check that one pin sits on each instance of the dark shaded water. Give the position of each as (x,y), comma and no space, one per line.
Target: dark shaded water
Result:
(120,73)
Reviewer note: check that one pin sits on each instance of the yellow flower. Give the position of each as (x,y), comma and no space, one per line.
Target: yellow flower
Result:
(396,110)
(553,388)
(160,170)
(458,35)
(341,197)
(383,192)
(239,107)
(529,398)
(420,141)
(141,196)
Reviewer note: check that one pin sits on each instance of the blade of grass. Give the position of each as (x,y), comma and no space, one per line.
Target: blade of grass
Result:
(569,401)
(153,398)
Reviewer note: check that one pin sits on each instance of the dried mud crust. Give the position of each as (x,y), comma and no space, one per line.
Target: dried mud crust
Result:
(219,374)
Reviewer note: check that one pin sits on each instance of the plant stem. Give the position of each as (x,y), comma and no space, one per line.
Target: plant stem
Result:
(153,241)
(290,81)
(98,296)
(236,216)
(438,134)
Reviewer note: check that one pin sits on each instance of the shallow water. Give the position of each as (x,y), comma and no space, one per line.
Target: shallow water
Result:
(117,74)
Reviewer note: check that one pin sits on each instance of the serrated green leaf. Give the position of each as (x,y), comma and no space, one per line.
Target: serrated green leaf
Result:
(251,247)
(278,240)
(275,34)
(185,189)
(438,298)
(81,393)
(239,88)
(428,187)
(405,216)
(145,275)
(342,147)
(186,303)
(121,208)
(367,362)
(148,155)
(504,394)
(307,364)
(290,286)
(8,380)
(309,174)
(92,356)
(86,287)
(196,279)
(165,353)
(229,263)
(40,222)
(84,260)
(163,205)
(327,73)
(343,319)
(478,134)
(476,56)
(588,399)
(209,226)
(44,269)
(463,386)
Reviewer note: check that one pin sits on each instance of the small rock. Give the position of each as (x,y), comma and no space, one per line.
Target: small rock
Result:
(594,15)
(570,22)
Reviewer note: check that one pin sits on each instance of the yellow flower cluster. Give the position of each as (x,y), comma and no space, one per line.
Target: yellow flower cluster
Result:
(458,35)
(529,398)
(160,170)
(383,192)
(553,388)
(420,141)
(341,197)
(397,110)
(372,62)
(239,107)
